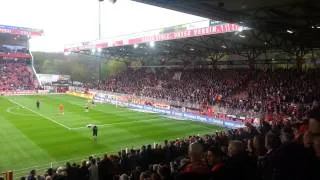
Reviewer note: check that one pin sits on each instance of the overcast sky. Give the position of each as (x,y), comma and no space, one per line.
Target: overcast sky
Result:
(72,21)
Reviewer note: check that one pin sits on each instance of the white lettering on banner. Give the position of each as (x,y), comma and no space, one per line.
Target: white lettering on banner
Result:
(148,108)
(233,125)
(207,30)
(191,116)
(137,39)
(177,113)
(202,118)
(228,124)
(217,121)
(167,111)
(25,92)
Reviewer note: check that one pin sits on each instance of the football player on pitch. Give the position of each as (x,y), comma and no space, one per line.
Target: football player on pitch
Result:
(38,104)
(61,108)
(95,132)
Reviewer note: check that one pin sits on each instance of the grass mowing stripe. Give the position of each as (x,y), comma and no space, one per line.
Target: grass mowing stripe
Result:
(45,117)
(122,128)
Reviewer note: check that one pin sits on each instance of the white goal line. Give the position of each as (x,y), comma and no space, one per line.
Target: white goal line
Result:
(35,112)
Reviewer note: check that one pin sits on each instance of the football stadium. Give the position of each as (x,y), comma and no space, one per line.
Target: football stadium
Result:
(232,96)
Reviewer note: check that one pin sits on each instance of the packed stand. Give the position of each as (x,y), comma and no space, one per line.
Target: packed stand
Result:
(16,75)
(190,86)
(282,92)
(274,151)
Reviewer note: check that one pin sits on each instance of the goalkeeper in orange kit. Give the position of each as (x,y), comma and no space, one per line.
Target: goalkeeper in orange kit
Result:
(61,108)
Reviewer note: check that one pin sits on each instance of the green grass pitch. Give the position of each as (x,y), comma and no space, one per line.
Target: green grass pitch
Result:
(31,138)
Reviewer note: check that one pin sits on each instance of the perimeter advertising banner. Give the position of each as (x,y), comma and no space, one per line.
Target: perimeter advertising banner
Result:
(107,98)
(24,92)
(200,28)
(81,94)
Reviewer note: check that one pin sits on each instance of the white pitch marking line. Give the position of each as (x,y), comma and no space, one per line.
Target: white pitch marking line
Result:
(111,124)
(9,110)
(52,120)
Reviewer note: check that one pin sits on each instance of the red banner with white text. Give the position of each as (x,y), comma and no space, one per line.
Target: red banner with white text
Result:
(201,31)
(14,55)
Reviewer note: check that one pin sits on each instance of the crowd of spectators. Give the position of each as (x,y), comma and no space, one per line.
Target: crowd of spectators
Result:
(284,92)
(272,151)
(192,86)
(16,75)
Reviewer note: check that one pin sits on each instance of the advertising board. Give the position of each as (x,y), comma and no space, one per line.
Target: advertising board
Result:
(105,98)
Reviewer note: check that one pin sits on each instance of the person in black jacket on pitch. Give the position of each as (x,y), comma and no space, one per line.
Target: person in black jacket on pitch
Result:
(95,132)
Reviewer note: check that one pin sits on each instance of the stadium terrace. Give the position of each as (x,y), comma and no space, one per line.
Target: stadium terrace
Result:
(225,99)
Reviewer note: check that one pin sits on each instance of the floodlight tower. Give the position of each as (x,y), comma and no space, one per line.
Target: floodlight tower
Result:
(99,29)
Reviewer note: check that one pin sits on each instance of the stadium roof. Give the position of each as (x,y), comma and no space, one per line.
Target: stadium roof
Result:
(22,31)
(165,39)
(291,26)
(295,21)
(12,35)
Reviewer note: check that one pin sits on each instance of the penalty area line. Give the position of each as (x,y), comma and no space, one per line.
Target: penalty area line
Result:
(45,117)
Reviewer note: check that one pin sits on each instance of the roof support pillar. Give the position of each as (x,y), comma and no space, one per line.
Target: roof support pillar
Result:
(252,55)
(215,57)
(299,54)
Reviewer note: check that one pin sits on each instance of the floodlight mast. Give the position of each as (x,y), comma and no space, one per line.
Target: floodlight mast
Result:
(99,16)
(100,36)
(99,11)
